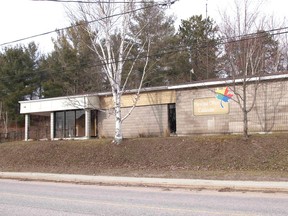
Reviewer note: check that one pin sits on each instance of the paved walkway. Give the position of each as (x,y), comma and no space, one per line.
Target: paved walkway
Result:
(153,182)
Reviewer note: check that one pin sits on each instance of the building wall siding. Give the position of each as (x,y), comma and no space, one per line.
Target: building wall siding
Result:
(271,108)
(150,117)
(143,121)
(270,112)
(188,123)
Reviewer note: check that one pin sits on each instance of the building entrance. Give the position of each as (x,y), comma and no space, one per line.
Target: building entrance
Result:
(172,117)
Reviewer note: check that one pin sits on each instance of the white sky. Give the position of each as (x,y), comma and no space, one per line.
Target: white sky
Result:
(24,18)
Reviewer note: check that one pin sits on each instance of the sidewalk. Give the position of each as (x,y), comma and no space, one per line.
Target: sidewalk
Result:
(153,182)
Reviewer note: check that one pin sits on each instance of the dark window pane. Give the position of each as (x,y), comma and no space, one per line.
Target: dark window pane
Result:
(70,124)
(59,124)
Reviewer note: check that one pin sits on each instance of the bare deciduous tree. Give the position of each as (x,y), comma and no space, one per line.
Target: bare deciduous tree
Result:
(250,53)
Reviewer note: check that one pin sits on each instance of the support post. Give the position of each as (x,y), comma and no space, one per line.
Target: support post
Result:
(52,124)
(87,123)
(27,126)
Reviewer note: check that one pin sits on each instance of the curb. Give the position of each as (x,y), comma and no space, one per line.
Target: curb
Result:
(220,185)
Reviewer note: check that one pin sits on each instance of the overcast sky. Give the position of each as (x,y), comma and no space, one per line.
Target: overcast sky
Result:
(24,18)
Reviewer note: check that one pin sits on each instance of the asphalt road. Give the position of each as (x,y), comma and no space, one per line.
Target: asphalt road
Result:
(43,198)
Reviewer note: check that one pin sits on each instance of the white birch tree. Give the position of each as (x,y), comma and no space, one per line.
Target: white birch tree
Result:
(108,25)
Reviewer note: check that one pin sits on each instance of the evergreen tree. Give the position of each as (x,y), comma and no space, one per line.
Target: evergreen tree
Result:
(152,23)
(72,68)
(200,37)
(19,77)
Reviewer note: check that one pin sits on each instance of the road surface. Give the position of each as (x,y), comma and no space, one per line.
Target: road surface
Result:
(44,198)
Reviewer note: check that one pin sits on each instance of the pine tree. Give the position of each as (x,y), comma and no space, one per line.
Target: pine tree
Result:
(200,38)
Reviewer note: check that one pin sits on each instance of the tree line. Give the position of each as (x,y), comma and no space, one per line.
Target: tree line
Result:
(159,54)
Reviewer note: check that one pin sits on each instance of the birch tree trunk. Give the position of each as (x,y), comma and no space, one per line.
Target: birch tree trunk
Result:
(118,120)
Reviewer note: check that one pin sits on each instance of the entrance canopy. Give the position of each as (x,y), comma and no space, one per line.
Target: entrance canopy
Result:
(48,105)
(69,116)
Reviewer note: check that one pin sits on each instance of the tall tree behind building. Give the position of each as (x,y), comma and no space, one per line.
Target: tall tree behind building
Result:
(72,68)
(152,22)
(19,79)
(200,37)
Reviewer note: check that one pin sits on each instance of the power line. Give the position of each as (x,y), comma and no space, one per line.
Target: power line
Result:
(91,2)
(169,2)
(243,37)
(170,50)
(184,47)
(77,24)
(224,40)
(248,36)
(258,33)
(166,2)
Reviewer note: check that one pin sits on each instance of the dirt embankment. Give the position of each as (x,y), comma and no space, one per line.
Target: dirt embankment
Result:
(262,157)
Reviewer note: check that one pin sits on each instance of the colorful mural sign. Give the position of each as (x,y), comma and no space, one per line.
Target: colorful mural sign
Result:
(208,106)
(223,95)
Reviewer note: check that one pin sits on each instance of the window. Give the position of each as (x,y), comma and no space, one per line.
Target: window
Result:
(70,123)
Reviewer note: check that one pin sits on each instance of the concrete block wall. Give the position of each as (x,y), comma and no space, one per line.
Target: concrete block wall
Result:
(188,123)
(270,112)
(143,121)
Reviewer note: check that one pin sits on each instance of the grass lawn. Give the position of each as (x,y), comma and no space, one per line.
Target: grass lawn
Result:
(262,157)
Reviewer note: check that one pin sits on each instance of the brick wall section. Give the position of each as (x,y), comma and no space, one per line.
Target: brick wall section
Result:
(270,112)
(143,121)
